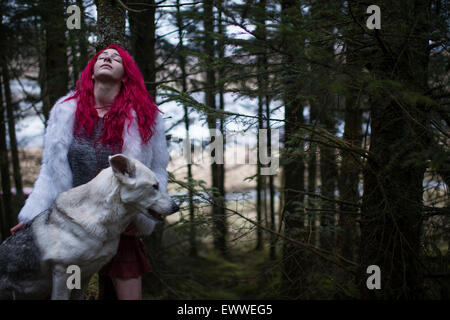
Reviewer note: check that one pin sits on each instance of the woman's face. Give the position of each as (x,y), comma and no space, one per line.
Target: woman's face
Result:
(109,66)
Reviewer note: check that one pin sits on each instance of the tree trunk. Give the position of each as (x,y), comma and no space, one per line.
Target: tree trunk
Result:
(260,185)
(8,219)
(221,166)
(328,175)
(259,198)
(351,163)
(56,69)
(110,23)
(19,198)
(78,44)
(142,27)
(293,168)
(218,212)
(312,182)
(82,40)
(272,252)
(193,251)
(349,177)
(391,210)
(74,59)
(260,33)
(73,56)
(323,12)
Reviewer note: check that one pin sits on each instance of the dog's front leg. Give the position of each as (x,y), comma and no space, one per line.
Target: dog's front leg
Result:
(59,283)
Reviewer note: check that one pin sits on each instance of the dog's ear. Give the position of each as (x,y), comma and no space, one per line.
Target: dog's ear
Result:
(122,166)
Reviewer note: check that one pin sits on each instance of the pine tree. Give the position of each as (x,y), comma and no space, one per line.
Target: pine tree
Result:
(391,221)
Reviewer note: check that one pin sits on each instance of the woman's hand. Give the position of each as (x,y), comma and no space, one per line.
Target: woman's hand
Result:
(130,230)
(17,227)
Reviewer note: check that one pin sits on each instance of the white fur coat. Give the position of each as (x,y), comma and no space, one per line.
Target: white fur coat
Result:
(55,175)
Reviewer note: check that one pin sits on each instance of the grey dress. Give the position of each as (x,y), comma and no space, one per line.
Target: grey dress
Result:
(87,156)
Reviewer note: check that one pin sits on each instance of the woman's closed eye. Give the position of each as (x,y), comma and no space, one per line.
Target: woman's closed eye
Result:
(114,57)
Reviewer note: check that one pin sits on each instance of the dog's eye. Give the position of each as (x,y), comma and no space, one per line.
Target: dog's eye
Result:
(156,186)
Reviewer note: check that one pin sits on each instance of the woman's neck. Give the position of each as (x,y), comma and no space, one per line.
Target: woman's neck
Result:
(105,93)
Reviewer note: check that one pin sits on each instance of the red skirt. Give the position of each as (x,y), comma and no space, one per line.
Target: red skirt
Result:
(130,260)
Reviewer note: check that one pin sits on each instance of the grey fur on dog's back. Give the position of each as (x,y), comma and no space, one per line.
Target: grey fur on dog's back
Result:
(19,261)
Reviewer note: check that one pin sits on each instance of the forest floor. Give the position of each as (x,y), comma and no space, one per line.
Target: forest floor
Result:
(246,273)
(244,276)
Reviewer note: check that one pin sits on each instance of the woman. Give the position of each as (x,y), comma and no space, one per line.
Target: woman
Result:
(110,111)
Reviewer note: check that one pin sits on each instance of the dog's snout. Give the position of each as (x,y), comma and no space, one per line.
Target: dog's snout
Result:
(175,207)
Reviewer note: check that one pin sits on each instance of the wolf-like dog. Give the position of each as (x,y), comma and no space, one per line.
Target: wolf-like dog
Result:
(82,228)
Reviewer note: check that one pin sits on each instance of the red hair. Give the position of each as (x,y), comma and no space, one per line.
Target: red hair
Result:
(132,96)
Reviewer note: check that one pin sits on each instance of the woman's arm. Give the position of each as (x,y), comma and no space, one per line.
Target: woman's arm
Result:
(55,175)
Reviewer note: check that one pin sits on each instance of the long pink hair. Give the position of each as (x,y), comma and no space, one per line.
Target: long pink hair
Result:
(132,96)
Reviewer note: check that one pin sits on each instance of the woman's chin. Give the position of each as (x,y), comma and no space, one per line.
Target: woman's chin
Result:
(106,75)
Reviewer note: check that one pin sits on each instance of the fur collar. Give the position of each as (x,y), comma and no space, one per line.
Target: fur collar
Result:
(132,144)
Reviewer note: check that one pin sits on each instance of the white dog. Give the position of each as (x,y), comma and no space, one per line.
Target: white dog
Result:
(82,228)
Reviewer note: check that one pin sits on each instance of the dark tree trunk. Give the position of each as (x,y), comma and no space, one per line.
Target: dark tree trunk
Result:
(294,167)
(259,198)
(78,44)
(391,220)
(56,69)
(262,89)
(218,210)
(142,26)
(19,198)
(349,177)
(8,219)
(73,56)
(312,182)
(221,87)
(83,43)
(74,59)
(193,251)
(351,163)
(272,226)
(323,12)
(328,176)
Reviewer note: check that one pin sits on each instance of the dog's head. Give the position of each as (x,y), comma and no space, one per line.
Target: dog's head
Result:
(139,188)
